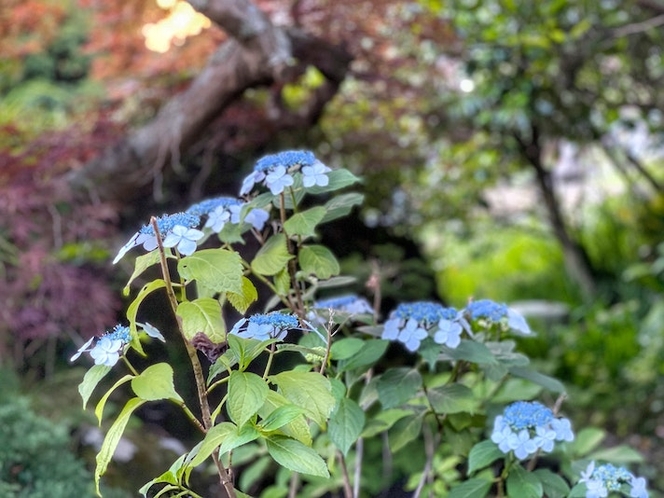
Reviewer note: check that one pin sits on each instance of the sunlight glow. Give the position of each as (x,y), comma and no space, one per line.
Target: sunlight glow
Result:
(182,21)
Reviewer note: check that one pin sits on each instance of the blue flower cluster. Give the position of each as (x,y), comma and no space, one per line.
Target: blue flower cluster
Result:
(275,171)
(411,323)
(349,303)
(222,210)
(528,426)
(601,480)
(485,313)
(273,325)
(108,347)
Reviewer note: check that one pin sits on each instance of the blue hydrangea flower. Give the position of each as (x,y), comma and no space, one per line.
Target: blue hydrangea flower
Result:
(528,426)
(166,224)
(108,348)
(600,480)
(256,217)
(410,323)
(222,210)
(276,171)
(350,303)
(183,239)
(273,325)
(486,313)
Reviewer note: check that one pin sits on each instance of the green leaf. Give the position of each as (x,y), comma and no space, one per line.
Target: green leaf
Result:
(113,438)
(280,417)
(99,409)
(246,394)
(554,486)
(90,380)
(404,431)
(340,205)
(304,224)
(273,257)
(217,270)
(319,261)
(453,398)
(474,352)
(155,383)
(345,348)
(523,484)
(132,310)
(244,299)
(295,456)
(472,488)
(369,354)
(619,455)
(298,428)
(226,436)
(482,455)
(586,440)
(247,350)
(346,424)
(398,385)
(202,315)
(383,421)
(143,262)
(339,178)
(308,390)
(540,379)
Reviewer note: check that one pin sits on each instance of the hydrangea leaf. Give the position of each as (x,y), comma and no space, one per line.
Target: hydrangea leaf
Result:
(99,409)
(272,257)
(346,424)
(113,438)
(246,394)
(452,398)
(472,351)
(281,416)
(295,456)
(319,261)
(132,310)
(304,224)
(339,178)
(384,420)
(346,347)
(472,488)
(246,350)
(241,301)
(540,379)
(202,315)
(309,390)
(341,205)
(482,455)
(554,486)
(621,454)
(143,262)
(369,354)
(298,428)
(587,440)
(404,431)
(226,436)
(523,484)
(90,380)
(155,383)
(219,270)
(398,385)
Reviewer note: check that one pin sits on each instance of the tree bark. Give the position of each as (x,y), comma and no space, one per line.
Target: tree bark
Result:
(577,263)
(258,53)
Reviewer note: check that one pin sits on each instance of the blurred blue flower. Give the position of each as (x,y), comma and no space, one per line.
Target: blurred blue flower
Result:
(166,224)
(349,303)
(315,175)
(528,426)
(273,325)
(256,217)
(600,480)
(486,314)
(107,348)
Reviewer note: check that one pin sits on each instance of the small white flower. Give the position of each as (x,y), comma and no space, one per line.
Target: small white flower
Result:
(315,175)
(184,239)
(106,351)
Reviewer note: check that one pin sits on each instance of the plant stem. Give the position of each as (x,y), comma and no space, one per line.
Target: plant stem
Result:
(292,268)
(348,491)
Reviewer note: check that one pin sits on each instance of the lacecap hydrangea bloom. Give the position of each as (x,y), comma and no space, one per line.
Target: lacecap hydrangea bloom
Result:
(264,326)
(600,480)
(178,230)
(411,323)
(349,304)
(528,426)
(276,171)
(222,210)
(486,314)
(108,347)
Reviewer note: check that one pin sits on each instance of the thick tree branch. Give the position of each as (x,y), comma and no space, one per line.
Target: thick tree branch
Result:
(259,54)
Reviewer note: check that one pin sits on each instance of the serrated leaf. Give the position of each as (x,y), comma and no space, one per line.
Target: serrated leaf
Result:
(404,431)
(226,436)
(345,348)
(295,456)
(369,354)
(308,390)
(90,380)
(298,428)
(398,385)
(246,394)
(113,438)
(452,398)
(554,486)
(273,257)
(319,261)
(246,349)
(341,205)
(304,224)
(472,488)
(280,417)
(538,378)
(523,484)
(383,421)
(155,383)
(142,263)
(482,455)
(218,270)
(244,299)
(346,424)
(202,315)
